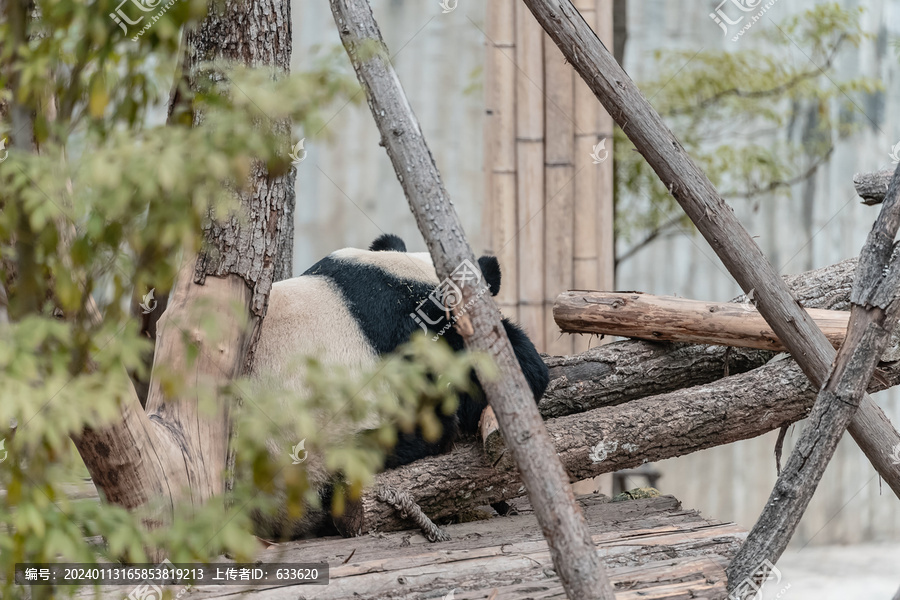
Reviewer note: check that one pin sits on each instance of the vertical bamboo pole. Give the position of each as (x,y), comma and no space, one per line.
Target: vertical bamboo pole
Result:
(587,132)
(559,167)
(501,222)
(530,172)
(605,206)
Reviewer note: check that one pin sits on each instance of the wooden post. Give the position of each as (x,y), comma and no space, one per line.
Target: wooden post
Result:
(501,222)
(530,172)
(559,168)
(715,220)
(571,548)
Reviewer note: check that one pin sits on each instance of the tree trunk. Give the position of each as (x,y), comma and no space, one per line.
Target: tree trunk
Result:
(715,220)
(181,452)
(574,555)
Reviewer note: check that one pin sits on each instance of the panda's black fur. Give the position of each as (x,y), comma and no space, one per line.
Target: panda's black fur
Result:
(348,309)
(382,305)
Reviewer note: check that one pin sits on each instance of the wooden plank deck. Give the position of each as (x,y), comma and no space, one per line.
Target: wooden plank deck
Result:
(653,548)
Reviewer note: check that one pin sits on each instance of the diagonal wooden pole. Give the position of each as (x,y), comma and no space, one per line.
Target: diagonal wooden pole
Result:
(571,548)
(715,220)
(873,314)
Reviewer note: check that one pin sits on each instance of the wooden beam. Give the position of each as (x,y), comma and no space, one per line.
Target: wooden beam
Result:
(672,319)
(715,220)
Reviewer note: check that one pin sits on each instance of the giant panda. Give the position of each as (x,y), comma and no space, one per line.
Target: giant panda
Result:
(352,307)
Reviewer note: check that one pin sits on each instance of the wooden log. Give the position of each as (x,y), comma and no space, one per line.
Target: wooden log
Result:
(872,187)
(673,319)
(873,315)
(608,439)
(715,220)
(574,556)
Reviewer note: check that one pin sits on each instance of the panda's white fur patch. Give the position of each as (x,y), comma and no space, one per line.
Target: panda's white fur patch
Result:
(308,317)
(415,266)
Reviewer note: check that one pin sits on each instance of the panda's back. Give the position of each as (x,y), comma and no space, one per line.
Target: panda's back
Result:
(347,309)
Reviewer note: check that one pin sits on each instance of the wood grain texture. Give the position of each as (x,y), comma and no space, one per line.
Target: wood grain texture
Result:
(675,319)
(562,523)
(714,219)
(654,549)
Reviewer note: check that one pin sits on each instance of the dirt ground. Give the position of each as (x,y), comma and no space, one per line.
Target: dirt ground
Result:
(864,572)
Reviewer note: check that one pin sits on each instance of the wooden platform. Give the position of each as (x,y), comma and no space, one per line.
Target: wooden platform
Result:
(652,547)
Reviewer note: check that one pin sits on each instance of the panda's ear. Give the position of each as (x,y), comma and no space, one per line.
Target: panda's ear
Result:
(490,268)
(388,242)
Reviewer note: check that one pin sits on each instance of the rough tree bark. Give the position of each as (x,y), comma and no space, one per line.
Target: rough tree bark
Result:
(872,187)
(715,220)
(876,304)
(574,555)
(180,453)
(675,319)
(606,440)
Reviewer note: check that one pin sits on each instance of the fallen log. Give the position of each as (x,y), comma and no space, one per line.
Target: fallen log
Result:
(627,370)
(872,187)
(673,319)
(608,439)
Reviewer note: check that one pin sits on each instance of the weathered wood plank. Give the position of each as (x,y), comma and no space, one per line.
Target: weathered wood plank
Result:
(652,548)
